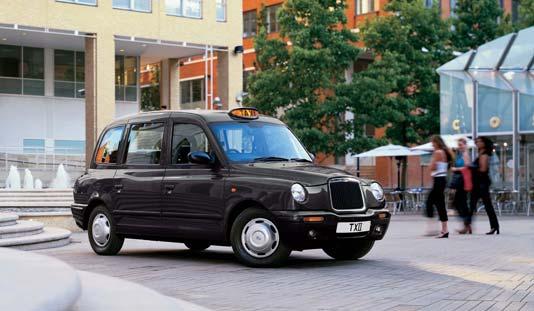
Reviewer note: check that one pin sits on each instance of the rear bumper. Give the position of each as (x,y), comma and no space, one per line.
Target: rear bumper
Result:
(78,211)
(307,235)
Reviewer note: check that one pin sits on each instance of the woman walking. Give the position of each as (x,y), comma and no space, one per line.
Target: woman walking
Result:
(461,163)
(441,159)
(482,182)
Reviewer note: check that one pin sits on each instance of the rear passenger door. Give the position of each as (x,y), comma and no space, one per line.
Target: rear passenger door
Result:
(193,199)
(138,181)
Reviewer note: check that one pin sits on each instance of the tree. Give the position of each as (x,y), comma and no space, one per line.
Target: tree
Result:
(476,22)
(299,72)
(526,13)
(412,42)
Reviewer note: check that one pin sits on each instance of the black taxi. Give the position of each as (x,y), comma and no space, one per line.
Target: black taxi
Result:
(232,178)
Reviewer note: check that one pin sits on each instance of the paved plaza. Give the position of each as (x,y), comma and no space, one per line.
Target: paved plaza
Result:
(406,271)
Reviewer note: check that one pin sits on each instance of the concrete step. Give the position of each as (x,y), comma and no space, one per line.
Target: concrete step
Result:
(35,282)
(30,199)
(8,219)
(49,238)
(20,229)
(32,191)
(35,203)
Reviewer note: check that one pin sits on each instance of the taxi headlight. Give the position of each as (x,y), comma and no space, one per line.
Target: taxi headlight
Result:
(298,192)
(377,191)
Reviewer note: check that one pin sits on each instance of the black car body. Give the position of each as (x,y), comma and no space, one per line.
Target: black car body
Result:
(187,176)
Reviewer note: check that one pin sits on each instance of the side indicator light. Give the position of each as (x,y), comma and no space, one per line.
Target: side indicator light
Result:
(382,216)
(314,219)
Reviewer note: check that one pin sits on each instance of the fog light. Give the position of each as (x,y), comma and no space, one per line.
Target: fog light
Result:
(312,234)
(378,229)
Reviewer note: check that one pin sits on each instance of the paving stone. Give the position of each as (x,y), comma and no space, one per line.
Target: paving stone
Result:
(405,271)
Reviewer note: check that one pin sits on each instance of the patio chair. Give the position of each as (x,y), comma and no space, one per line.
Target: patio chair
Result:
(393,201)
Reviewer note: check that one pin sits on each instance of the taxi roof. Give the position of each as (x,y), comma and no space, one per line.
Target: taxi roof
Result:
(208,116)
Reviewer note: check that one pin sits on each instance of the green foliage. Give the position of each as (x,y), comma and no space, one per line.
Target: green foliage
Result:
(476,22)
(526,13)
(300,72)
(150,96)
(401,86)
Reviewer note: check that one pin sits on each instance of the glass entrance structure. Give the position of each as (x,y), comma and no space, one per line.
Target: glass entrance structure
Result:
(490,92)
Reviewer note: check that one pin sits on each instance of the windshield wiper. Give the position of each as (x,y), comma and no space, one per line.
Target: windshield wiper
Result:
(267,159)
(300,160)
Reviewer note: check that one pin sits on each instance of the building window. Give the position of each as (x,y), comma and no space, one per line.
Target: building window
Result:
(515,11)
(133,5)
(69,74)
(452,4)
(192,91)
(249,24)
(365,6)
(221,10)
(126,78)
(186,8)
(271,19)
(21,70)
(33,145)
(86,2)
(69,147)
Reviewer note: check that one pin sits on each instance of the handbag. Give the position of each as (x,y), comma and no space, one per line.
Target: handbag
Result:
(468,179)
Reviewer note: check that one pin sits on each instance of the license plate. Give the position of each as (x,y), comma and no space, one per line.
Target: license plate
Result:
(353,227)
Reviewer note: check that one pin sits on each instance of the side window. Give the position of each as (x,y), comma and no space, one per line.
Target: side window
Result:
(108,149)
(187,138)
(144,143)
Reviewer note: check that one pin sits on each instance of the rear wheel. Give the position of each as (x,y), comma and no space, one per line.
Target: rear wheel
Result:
(256,240)
(197,246)
(349,250)
(102,232)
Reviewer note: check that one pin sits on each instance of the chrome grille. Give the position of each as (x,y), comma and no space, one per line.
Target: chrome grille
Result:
(346,194)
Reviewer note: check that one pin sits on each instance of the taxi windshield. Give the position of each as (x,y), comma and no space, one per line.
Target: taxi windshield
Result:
(245,142)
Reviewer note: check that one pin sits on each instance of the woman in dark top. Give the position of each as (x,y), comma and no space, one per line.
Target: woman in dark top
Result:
(460,196)
(482,182)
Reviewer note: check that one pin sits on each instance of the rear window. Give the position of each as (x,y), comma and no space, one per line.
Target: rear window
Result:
(144,143)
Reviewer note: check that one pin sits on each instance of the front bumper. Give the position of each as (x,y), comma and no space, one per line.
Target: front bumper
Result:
(78,212)
(307,235)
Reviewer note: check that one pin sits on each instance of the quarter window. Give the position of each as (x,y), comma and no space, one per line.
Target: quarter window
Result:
(249,24)
(144,143)
(133,5)
(108,150)
(187,8)
(187,138)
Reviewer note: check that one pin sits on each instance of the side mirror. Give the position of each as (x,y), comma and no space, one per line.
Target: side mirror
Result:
(200,157)
(312,156)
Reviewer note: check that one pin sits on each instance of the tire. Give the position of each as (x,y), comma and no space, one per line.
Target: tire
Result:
(261,224)
(349,250)
(197,246)
(102,243)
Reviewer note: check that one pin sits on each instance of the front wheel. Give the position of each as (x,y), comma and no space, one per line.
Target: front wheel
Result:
(349,250)
(256,240)
(101,231)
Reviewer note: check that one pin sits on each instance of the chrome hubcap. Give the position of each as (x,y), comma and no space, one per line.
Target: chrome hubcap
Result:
(101,230)
(260,237)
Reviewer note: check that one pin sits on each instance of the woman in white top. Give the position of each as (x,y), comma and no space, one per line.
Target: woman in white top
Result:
(441,159)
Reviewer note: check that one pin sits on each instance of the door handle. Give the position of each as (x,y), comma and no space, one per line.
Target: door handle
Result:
(118,187)
(169,188)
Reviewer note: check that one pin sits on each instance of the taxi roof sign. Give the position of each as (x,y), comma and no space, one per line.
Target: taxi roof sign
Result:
(244,113)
